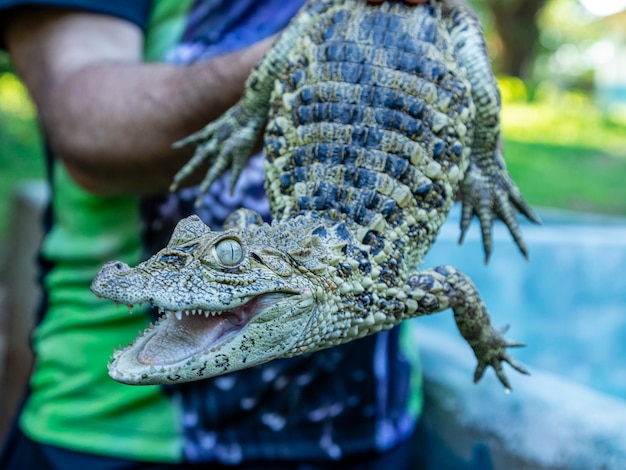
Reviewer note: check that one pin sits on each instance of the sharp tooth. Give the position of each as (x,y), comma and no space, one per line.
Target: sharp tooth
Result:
(206,313)
(187,312)
(161,311)
(130,309)
(179,315)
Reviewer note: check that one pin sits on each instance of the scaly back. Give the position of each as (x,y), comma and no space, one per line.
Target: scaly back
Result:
(371,122)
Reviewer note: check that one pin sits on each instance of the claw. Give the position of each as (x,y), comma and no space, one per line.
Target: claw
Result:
(521,205)
(478,373)
(495,354)
(497,366)
(488,193)
(202,153)
(516,365)
(466,219)
(226,143)
(486,222)
(194,138)
(219,167)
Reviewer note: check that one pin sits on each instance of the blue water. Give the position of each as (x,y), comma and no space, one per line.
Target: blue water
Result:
(568,304)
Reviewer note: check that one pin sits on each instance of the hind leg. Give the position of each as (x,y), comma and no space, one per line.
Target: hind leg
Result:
(434,290)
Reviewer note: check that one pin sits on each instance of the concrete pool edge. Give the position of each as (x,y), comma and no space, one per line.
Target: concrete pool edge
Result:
(547,422)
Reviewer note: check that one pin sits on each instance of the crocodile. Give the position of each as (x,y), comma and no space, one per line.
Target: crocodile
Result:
(374,118)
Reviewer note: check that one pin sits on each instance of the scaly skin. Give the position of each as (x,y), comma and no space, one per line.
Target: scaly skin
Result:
(375,117)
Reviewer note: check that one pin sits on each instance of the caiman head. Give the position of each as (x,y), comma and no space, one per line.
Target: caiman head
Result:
(227,300)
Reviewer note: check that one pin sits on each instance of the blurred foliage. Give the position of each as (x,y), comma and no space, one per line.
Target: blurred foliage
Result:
(511,27)
(565,117)
(4,62)
(21,155)
(515,22)
(567,22)
(567,36)
(562,150)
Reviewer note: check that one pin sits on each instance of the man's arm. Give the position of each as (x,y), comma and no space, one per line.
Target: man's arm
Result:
(107,115)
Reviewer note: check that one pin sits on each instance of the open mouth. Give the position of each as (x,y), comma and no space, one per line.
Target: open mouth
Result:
(182,334)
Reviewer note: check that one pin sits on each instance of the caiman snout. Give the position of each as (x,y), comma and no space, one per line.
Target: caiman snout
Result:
(116,281)
(116,267)
(111,271)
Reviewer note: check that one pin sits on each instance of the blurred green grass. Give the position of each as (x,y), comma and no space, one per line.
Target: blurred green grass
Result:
(560,148)
(568,177)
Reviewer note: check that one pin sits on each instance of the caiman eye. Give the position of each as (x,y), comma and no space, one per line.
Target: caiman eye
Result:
(229,252)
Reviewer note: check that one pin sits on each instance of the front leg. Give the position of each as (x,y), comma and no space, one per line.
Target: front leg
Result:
(229,140)
(445,287)
(487,190)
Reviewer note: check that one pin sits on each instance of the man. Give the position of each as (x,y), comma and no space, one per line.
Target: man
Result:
(115,83)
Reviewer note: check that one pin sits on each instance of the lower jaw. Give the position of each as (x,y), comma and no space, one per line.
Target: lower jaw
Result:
(175,341)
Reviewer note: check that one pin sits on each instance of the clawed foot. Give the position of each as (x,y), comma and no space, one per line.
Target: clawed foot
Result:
(493,352)
(488,193)
(226,144)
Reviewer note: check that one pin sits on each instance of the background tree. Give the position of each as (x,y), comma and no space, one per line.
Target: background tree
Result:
(514,23)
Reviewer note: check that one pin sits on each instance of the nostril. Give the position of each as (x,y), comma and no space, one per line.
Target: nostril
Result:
(115,268)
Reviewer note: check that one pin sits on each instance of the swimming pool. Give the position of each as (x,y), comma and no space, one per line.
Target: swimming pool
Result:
(569,306)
